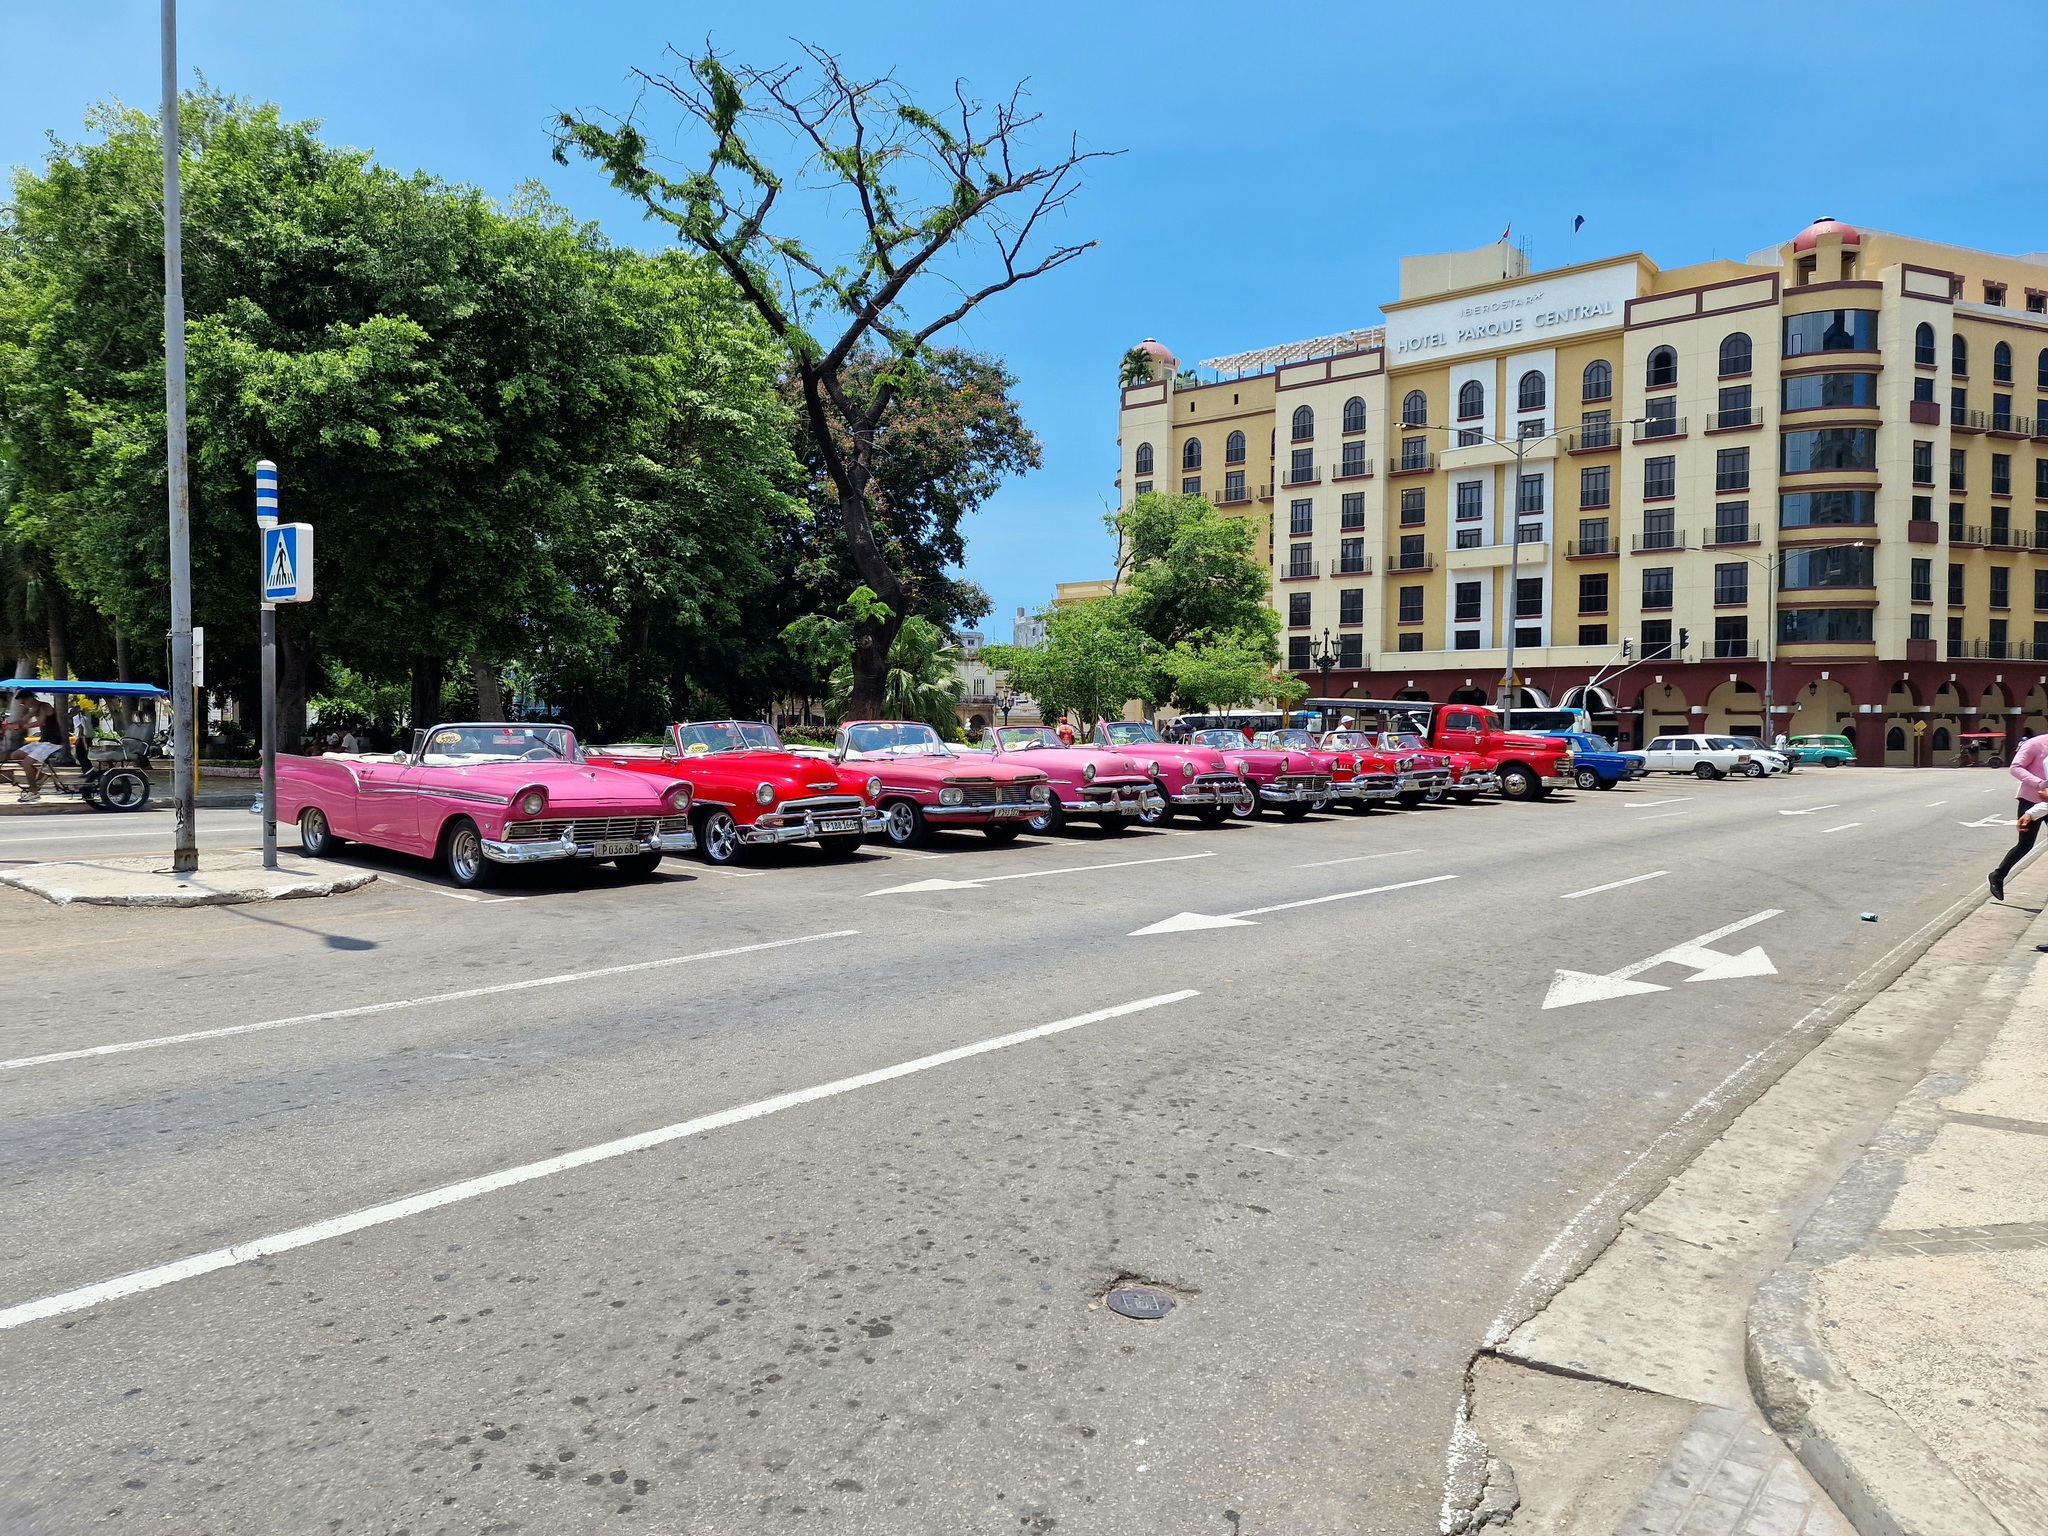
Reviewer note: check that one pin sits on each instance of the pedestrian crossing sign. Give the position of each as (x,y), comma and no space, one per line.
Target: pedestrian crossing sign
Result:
(288,563)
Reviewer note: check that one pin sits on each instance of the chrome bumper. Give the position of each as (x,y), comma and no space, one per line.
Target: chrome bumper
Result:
(1485,783)
(1378,786)
(1567,775)
(1119,800)
(1278,794)
(809,827)
(1204,792)
(988,812)
(1425,780)
(554,849)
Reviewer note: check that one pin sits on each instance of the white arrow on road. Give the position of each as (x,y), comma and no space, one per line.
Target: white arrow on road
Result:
(1030,874)
(1835,806)
(1569,987)
(1185,922)
(1987,821)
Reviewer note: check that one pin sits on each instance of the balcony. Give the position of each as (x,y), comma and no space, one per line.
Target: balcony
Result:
(1353,469)
(1657,541)
(1923,530)
(1410,560)
(1590,549)
(1734,421)
(1736,650)
(1998,650)
(1998,538)
(1308,476)
(1232,496)
(1412,464)
(1301,570)
(1925,413)
(1658,428)
(1352,565)
(1597,438)
(1724,536)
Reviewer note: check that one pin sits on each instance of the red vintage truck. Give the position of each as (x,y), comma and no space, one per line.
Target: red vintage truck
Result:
(1526,765)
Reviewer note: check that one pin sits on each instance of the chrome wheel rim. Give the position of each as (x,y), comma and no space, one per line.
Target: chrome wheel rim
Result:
(125,791)
(313,832)
(901,821)
(721,837)
(465,854)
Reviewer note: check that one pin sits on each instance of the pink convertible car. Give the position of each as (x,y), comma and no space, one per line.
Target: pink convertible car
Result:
(482,795)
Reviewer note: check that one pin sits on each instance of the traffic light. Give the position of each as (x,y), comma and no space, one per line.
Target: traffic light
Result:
(1628,649)
(1684,635)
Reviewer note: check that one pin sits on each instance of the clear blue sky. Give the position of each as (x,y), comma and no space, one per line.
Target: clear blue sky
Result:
(1278,160)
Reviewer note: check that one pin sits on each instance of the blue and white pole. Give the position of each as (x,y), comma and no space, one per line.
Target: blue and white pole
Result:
(266,517)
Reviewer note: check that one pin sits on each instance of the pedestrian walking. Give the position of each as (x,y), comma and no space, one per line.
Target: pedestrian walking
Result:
(2030,767)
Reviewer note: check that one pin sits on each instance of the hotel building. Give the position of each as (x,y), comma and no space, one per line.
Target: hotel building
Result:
(1832,455)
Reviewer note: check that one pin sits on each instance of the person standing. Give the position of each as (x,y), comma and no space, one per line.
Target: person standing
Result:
(2030,767)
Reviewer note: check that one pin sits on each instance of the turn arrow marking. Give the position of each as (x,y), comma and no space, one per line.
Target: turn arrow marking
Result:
(1812,808)
(1987,821)
(1186,922)
(1570,987)
(1032,874)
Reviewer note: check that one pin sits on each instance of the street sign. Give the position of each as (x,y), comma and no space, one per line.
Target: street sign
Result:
(198,656)
(1919,727)
(288,563)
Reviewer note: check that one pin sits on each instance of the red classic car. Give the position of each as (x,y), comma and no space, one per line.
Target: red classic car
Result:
(1358,780)
(926,784)
(483,794)
(1464,776)
(1188,777)
(1087,782)
(751,790)
(1271,778)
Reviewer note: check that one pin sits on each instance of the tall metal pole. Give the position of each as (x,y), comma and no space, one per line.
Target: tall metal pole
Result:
(184,793)
(266,517)
(1514,594)
(1770,646)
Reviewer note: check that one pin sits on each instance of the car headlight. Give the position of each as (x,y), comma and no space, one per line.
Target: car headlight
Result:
(764,793)
(1152,769)
(1087,773)
(874,788)
(1187,770)
(1283,765)
(1242,767)
(679,796)
(533,802)
(951,796)
(1041,792)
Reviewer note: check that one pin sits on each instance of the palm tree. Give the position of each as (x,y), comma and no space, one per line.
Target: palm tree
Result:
(1136,368)
(921,683)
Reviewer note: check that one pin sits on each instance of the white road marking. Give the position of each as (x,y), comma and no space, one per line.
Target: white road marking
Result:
(1661,815)
(1987,821)
(1933,803)
(88,1296)
(1845,826)
(1570,987)
(1833,805)
(1358,858)
(1186,922)
(1644,805)
(123,1047)
(1033,874)
(1615,885)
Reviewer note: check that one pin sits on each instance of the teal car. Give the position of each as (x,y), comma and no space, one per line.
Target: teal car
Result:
(1828,751)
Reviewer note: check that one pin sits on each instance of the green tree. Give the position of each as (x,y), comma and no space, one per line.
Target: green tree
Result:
(925,198)
(1221,673)
(1135,368)
(1093,661)
(922,682)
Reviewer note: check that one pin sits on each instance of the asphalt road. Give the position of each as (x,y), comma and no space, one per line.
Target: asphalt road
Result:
(1344,1132)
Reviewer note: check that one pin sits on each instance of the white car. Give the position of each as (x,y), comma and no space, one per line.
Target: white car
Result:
(1763,761)
(1705,757)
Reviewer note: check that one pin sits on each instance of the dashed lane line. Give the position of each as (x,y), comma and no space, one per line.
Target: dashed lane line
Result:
(1615,885)
(88,1296)
(1359,858)
(1845,826)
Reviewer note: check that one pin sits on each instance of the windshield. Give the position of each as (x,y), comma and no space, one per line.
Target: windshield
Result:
(902,737)
(706,736)
(1291,738)
(1402,741)
(449,745)
(1347,739)
(1130,733)
(1021,738)
(1229,741)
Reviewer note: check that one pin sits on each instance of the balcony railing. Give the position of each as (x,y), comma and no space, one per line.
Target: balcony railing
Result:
(1998,650)
(2002,422)
(1999,538)
(1301,570)
(1412,463)
(1729,421)
(1722,534)
(1411,560)
(1353,565)
(1231,496)
(1352,469)
(1660,426)
(1310,476)
(1657,539)
(1587,547)
(1590,439)
(1731,481)
(1735,650)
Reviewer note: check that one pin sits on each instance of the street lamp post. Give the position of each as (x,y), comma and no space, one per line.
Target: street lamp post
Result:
(1005,700)
(1325,658)
(184,797)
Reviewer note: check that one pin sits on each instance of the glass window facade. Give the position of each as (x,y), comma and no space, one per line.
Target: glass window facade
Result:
(1827,448)
(1816,509)
(1815,391)
(1828,565)
(1824,626)
(1831,330)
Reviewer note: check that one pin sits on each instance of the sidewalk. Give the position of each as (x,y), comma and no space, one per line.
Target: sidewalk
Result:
(145,880)
(1903,1350)
(220,788)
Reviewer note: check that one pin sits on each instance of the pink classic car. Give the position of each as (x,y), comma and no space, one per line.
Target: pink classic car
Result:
(1087,782)
(1193,780)
(482,795)
(926,784)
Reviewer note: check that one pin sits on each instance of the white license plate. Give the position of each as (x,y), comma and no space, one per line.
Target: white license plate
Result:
(850,824)
(615,850)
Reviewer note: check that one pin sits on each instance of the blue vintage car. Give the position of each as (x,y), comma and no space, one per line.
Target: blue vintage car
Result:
(1599,765)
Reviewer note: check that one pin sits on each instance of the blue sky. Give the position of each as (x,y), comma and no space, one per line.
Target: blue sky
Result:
(1276,161)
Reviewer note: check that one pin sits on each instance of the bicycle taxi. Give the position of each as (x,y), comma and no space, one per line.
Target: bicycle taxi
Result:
(116,776)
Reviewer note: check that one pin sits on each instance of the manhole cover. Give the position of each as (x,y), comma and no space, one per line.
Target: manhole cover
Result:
(1139,1301)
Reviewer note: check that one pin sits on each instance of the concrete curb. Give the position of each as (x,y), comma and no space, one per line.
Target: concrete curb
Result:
(1882,1476)
(36,882)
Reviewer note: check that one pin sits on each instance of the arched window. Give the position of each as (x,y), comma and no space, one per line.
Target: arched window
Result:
(1959,357)
(1304,423)
(1415,409)
(1471,400)
(1354,414)
(1191,453)
(1598,382)
(1735,354)
(1895,739)
(1144,458)
(1233,448)
(1941,738)
(2001,364)
(1530,394)
(1663,368)
(1923,345)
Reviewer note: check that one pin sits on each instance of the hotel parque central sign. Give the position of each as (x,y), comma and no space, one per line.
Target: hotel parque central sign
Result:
(1531,315)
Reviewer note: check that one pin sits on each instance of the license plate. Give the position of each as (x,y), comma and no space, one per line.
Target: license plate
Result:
(615,850)
(849,825)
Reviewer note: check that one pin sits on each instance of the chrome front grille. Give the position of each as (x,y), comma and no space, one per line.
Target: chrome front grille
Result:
(995,794)
(824,805)
(596,829)
(1315,781)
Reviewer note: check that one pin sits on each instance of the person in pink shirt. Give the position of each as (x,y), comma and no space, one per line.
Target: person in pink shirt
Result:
(2030,767)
